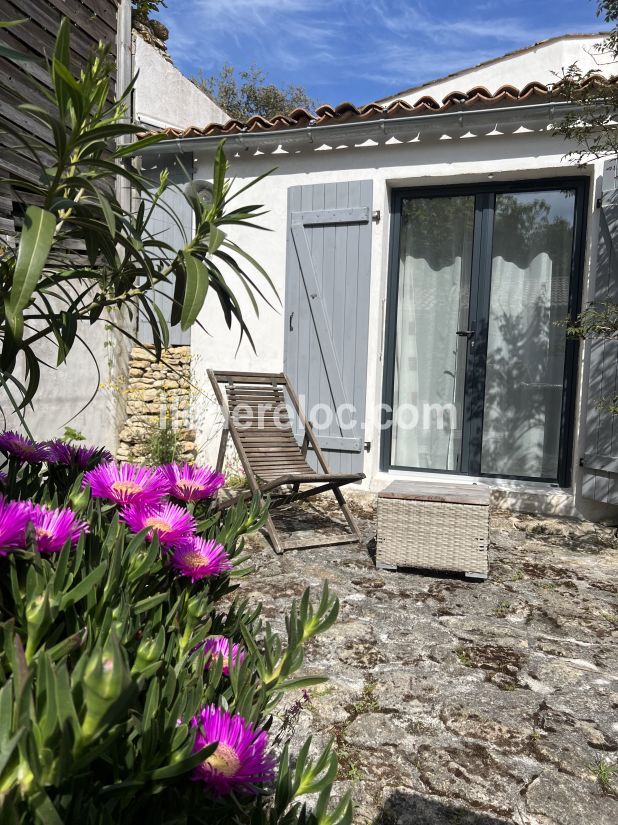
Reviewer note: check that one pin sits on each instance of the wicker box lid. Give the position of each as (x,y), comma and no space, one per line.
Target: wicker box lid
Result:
(477,494)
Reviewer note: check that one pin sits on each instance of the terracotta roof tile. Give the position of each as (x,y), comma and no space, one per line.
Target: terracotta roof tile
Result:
(479,97)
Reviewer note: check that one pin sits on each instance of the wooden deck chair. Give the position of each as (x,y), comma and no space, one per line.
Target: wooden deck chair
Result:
(275,464)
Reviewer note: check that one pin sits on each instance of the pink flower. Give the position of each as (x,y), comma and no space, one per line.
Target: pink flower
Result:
(172,523)
(198,558)
(127,483)
(53,528)
(191,483)
(240,761)
(14,518)
(222,647)
(17,446)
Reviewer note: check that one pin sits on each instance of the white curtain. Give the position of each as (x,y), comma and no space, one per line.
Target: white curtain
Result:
(432,303)
(525,364)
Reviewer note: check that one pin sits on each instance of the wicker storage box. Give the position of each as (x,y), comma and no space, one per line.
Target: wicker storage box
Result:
(434,526)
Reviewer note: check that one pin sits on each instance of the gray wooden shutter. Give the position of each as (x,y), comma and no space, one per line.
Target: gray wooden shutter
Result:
(600,462)
(180,169)
(327,310)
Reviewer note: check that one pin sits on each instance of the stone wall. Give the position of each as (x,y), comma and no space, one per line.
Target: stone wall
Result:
(156,391)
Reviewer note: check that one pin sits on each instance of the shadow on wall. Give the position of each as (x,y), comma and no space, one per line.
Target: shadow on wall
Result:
(414,809)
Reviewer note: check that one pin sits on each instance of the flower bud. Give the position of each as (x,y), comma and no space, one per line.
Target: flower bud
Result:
(106,678)
(79,499)
(38,618)
(148,652)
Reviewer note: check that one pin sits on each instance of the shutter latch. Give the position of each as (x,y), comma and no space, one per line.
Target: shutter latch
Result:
(375,216)
(367,446)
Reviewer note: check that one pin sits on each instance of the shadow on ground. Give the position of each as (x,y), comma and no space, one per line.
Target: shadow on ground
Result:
(413,809)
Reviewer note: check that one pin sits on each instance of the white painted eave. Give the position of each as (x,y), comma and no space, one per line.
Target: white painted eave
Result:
(457,124)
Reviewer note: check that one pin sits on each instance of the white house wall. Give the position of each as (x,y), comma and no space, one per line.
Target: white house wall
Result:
(164,96)
(515,157)
(544,62)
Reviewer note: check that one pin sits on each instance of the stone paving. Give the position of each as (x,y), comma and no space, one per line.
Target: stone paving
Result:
(460,703)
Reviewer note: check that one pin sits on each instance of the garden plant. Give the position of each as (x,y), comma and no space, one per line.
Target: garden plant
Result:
(136,683)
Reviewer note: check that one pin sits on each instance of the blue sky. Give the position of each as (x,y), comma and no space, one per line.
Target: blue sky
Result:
(359,51)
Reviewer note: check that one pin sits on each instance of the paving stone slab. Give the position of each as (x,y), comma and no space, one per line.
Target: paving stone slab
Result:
(466,703)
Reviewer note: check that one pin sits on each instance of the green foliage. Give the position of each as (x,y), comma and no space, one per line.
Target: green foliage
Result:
(163,446)
(596,321)
(50,291)
(247,93)
(592,126)
(604,773)
(99,676)
(70,434)
(142,9)
(600,322)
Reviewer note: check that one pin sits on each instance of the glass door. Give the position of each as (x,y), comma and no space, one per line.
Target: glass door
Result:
(479,368)
(433,300)
(529,301)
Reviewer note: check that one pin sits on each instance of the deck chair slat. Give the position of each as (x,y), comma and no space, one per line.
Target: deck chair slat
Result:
(283,449)
(274,462)
(258,435)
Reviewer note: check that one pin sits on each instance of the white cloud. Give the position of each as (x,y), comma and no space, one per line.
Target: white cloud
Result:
(334,44)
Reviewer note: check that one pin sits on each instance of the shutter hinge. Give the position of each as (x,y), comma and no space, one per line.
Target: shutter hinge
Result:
(367,446)
(375,216)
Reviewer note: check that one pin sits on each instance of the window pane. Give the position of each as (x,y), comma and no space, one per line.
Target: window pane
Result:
(432,304)
(530,277)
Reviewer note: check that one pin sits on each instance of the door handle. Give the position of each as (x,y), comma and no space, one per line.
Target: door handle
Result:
(291,327)
(468,333)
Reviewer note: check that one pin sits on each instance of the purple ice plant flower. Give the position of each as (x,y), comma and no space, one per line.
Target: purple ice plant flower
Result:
(18,446)
(59,452)
(14,518)
(199,558)
(83,458)
(222,647)
(172,523)
(54,527)
(191,483)
(127,483)
(240,762)
(87,457)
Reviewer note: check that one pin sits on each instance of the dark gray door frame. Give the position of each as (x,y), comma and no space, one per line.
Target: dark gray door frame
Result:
(478,318)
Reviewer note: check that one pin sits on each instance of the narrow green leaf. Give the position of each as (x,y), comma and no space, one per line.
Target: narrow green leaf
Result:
(150,602)
(108,213)
(84,587)
(43,808)
(220,168)
(195,291)
(305,682)
(180,281)
(165,333)
(184,765)
(138,145)
(216,238)
(34,246)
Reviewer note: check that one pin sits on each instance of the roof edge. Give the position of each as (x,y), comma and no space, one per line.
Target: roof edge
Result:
(326,116)
(458,122)
(492,60)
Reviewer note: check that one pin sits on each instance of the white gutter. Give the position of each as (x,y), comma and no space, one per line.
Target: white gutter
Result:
(454,124)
